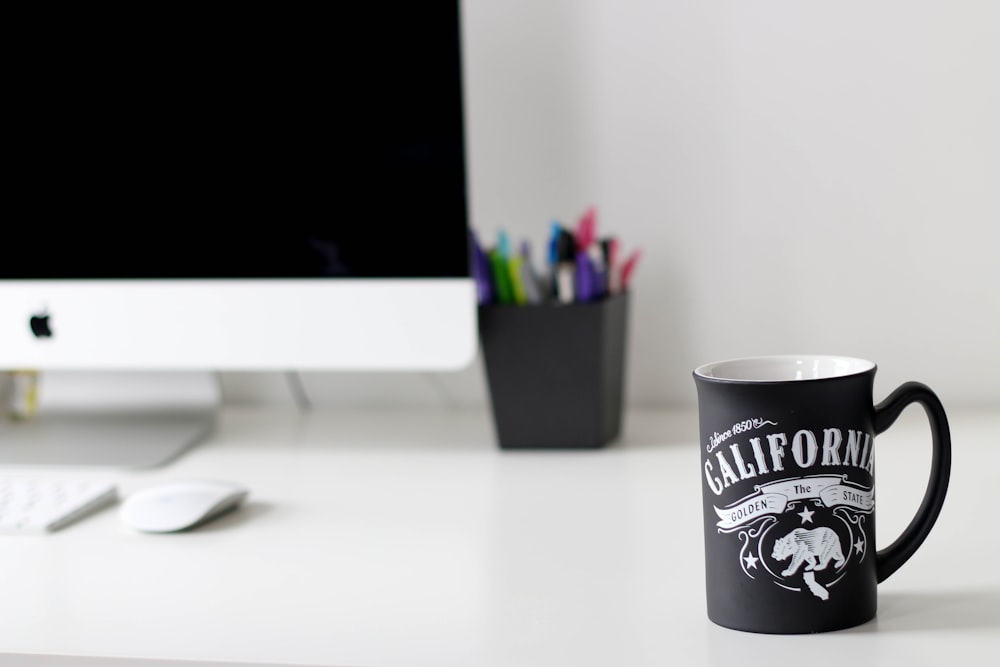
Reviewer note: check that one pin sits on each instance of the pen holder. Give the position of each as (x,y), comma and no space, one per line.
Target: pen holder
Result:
(555,372)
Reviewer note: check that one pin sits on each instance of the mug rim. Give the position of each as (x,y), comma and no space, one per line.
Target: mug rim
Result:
(834,366)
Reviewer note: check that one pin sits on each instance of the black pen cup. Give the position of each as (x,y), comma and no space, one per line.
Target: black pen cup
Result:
(556,372)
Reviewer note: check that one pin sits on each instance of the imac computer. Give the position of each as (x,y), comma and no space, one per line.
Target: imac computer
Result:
(195,191)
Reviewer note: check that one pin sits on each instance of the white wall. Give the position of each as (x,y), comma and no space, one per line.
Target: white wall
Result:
(801,177)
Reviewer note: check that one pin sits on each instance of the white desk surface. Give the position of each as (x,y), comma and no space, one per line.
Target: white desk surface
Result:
(408,538)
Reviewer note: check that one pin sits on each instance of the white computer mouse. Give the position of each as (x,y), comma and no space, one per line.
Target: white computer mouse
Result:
(169,507)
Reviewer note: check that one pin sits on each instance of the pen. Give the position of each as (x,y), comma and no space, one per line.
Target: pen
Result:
(501,277)
(503,244)
(511,274)
(481,271)
(565,268)
(628,268)
(586,240)
(552,260)
(585,287)
(577,265)
(532,289)
(609,246)
(598,269)
(586,228)
(514,266)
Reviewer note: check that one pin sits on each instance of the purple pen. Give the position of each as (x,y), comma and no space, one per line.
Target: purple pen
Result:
(481,272)
(584,277)
(599,270)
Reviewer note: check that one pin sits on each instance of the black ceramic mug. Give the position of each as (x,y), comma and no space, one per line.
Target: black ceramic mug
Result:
(787,471)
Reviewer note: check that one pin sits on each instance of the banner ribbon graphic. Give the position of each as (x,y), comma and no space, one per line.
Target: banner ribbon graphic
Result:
(772,498)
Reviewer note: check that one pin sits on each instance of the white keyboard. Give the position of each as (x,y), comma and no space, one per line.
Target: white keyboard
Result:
(33,505)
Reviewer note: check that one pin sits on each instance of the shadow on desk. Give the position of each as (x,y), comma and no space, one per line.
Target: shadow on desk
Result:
(929,611)
(249,511)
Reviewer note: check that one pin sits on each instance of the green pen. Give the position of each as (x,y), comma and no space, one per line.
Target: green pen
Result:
(501,277)
(514,266)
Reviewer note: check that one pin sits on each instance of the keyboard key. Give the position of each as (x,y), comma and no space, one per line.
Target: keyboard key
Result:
(33,505)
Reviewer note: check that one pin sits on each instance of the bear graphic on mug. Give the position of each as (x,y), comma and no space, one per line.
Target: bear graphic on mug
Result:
(816,548)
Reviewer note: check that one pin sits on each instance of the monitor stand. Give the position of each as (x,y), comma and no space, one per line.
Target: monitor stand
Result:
(114,419)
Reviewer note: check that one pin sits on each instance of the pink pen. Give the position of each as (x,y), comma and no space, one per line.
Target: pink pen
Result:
(629,267)
(586,229)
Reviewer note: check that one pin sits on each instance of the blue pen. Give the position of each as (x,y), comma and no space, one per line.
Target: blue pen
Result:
(554,243)
(552,261)
(503,244)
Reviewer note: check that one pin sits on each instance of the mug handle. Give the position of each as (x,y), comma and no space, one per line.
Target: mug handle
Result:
(890,559)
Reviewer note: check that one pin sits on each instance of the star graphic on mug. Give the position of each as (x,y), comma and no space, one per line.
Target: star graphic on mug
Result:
(807,515)
(751,561)
(859,545)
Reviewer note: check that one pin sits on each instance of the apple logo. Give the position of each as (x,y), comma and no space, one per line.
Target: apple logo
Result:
(40,324)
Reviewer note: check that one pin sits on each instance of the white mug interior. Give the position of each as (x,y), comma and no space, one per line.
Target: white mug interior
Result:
(784,368)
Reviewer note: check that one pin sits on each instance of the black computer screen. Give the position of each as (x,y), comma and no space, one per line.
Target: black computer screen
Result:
(276,140)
